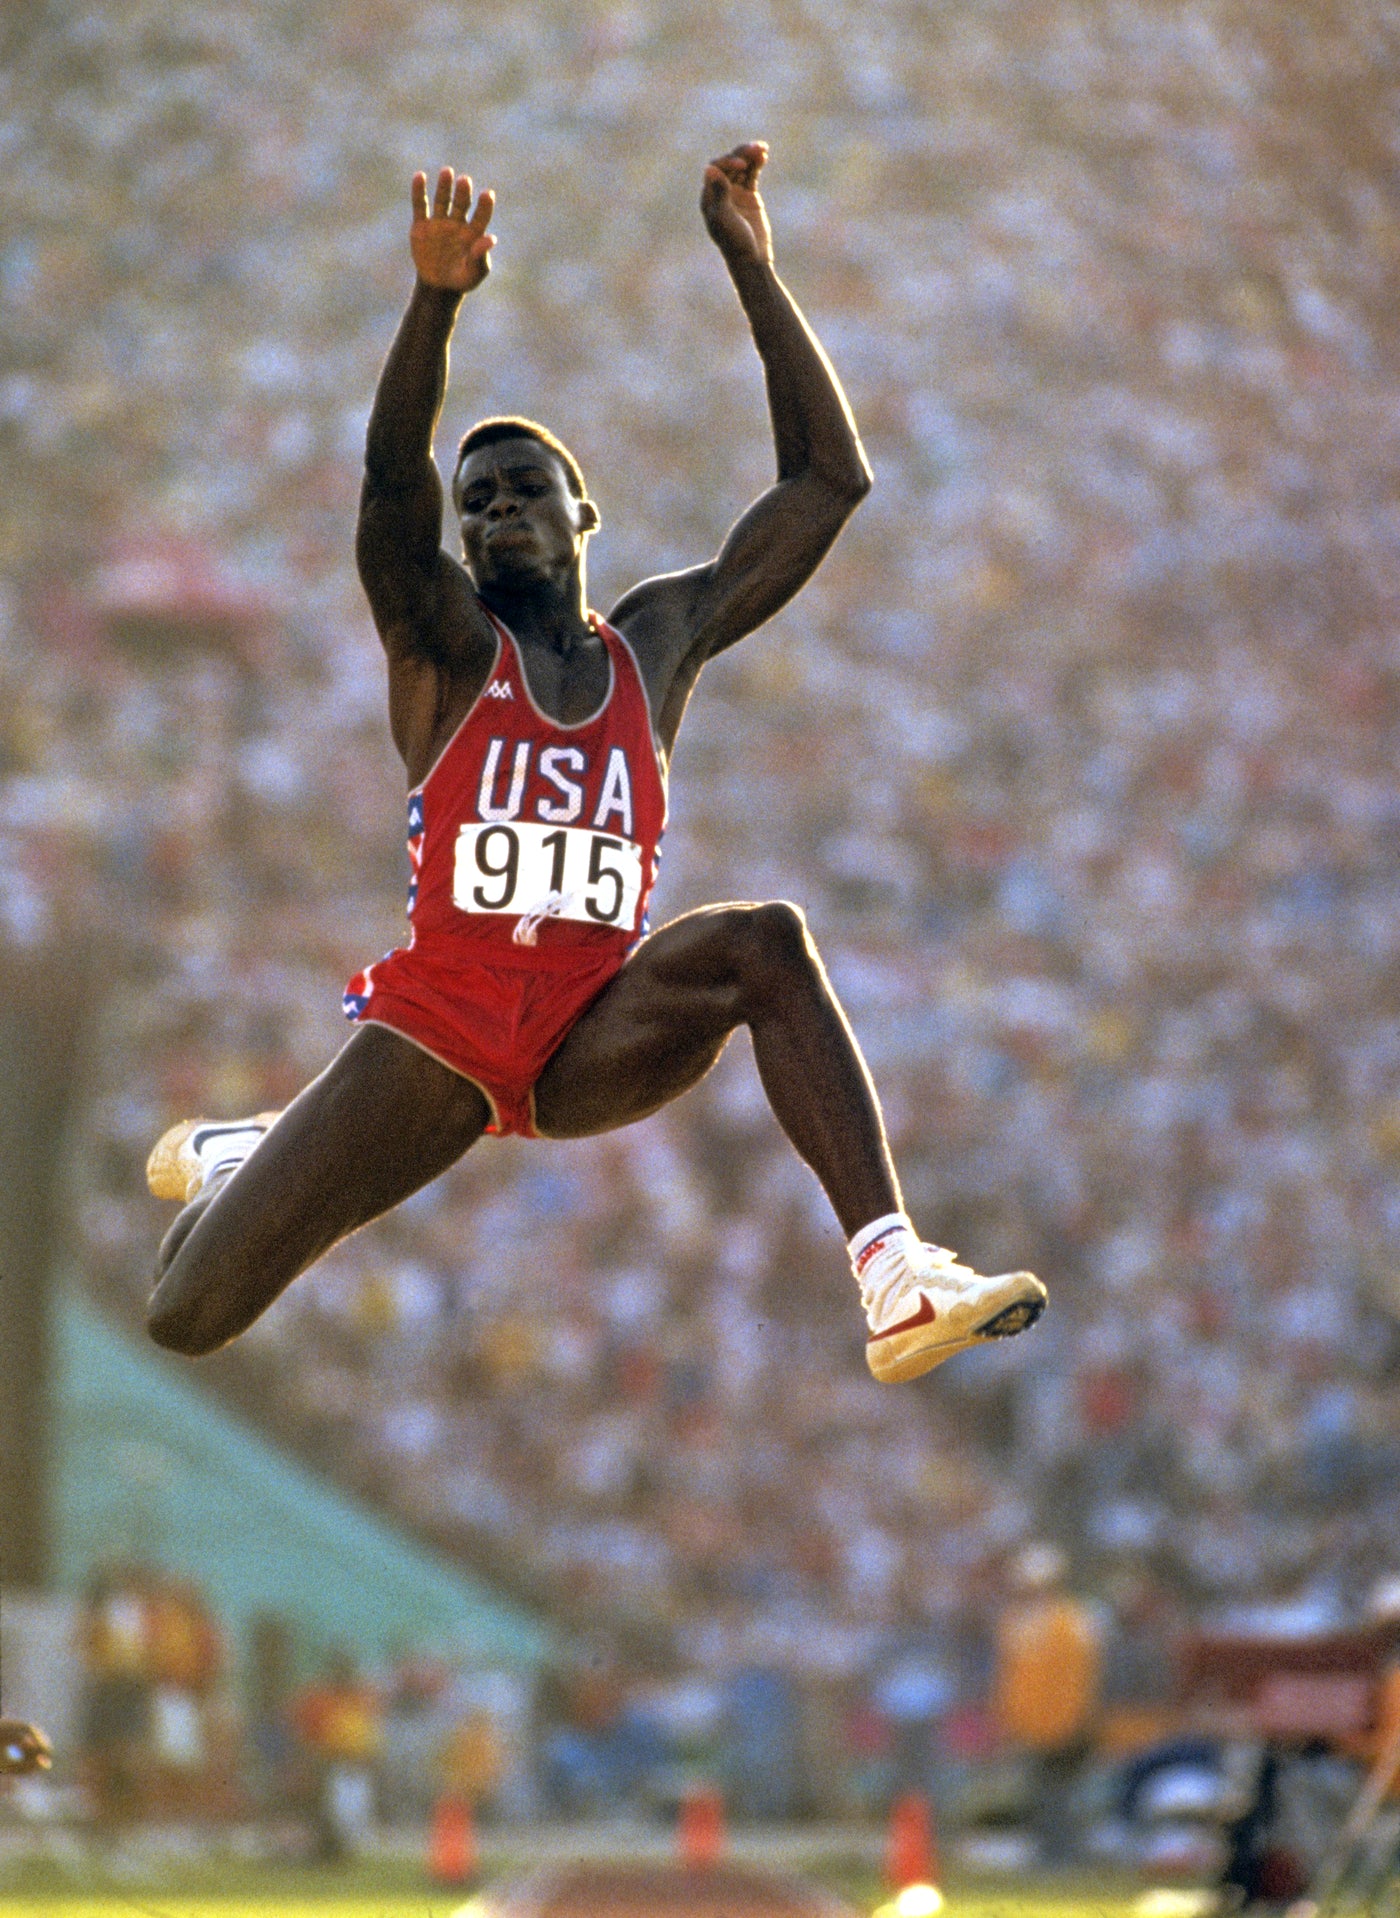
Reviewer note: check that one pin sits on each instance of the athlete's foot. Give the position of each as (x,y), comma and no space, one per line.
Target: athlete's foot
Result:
(184,1159)
(922,1306)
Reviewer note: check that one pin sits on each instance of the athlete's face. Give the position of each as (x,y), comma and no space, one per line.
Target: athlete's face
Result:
(519,518)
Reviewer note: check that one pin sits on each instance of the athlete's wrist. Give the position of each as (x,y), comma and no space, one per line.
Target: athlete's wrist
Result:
(757,285)
(748,269)
(443,300)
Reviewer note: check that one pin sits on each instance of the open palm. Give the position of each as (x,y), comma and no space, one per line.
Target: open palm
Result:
(450,244)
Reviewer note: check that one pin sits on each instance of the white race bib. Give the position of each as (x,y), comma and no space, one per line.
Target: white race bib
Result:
(515,866)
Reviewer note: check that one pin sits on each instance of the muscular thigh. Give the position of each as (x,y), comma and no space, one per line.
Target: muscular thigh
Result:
(651,1033)
(381,1121)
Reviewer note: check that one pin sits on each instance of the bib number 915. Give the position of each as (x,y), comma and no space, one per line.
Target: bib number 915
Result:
(514,867)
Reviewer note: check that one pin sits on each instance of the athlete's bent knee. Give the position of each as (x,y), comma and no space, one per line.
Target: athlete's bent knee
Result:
(783,927)
(779,936)
(773,947)
(189,1313)
(174,1325)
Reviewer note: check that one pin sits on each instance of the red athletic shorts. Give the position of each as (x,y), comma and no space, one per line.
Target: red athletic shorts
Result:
(496,1021)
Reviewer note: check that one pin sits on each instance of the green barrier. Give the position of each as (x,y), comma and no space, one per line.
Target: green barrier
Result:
(147,1466)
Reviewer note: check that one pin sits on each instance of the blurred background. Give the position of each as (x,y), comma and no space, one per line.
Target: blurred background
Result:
(1079,753)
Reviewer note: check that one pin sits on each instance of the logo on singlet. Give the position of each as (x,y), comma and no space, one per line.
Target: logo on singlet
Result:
(500,689)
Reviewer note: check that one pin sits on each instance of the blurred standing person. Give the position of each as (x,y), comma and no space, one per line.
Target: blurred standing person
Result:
(186,1653)
(116,1716)
(1048,1659)
(275,1752)
(413,1733)
(337,1718)
(585,1709)
(472,1760)
(532,997)
(913,1693)
(761,1750)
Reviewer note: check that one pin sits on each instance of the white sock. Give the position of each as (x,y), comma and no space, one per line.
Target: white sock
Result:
(887,1232)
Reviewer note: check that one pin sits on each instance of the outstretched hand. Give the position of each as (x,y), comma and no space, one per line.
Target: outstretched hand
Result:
(23,1748)
(451,247)
(733,207)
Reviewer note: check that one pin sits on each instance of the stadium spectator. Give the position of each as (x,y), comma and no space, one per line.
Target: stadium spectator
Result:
(116,1719)
(1049,1658)
(337,1717)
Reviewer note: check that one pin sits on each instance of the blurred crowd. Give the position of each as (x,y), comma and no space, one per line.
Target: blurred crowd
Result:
(192,1738)
(182,1722)
(154,1736)
(1079,753)
(177,1725)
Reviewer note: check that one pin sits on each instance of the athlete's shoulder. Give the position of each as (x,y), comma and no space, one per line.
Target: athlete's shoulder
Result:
(658,619)
(435,620)
(659,611)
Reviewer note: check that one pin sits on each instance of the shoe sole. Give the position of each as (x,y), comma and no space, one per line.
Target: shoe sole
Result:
(1015,1318)
(894,1362)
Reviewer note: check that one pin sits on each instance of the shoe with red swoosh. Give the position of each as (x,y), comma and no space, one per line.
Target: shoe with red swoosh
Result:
(923,1308)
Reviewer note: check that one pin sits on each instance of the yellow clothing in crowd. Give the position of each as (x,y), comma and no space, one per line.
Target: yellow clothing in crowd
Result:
(339,1721)
(1049,1655)
(472,1758)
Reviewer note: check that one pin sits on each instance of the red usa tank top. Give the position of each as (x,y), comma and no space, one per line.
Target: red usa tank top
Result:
(534,840)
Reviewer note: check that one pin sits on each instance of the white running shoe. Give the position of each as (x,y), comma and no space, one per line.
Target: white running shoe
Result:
(922,1306)
(184,1159)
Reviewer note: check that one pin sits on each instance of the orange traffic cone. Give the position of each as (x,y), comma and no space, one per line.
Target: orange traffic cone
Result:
(452,1841)
(700,1833)
(911,1848)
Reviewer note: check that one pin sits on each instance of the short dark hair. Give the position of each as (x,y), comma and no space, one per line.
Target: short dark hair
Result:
(509,427)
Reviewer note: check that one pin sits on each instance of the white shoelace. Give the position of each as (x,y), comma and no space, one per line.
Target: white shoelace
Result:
(527,926)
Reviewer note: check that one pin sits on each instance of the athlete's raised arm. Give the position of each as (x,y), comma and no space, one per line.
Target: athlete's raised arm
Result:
(419,596)
(679,622)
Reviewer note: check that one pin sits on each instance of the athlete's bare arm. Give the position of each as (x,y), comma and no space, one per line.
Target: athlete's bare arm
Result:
(675,623)
(434,632)
(439,644)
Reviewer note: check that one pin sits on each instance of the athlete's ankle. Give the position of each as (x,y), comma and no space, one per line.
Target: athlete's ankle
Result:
(892,1232)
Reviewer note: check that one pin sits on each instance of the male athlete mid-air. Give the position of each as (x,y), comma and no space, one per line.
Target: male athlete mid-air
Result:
(531,997)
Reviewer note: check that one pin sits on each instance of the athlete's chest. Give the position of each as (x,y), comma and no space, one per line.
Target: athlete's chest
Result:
(527,815)
(563,693)
(512,756)
(566,688)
